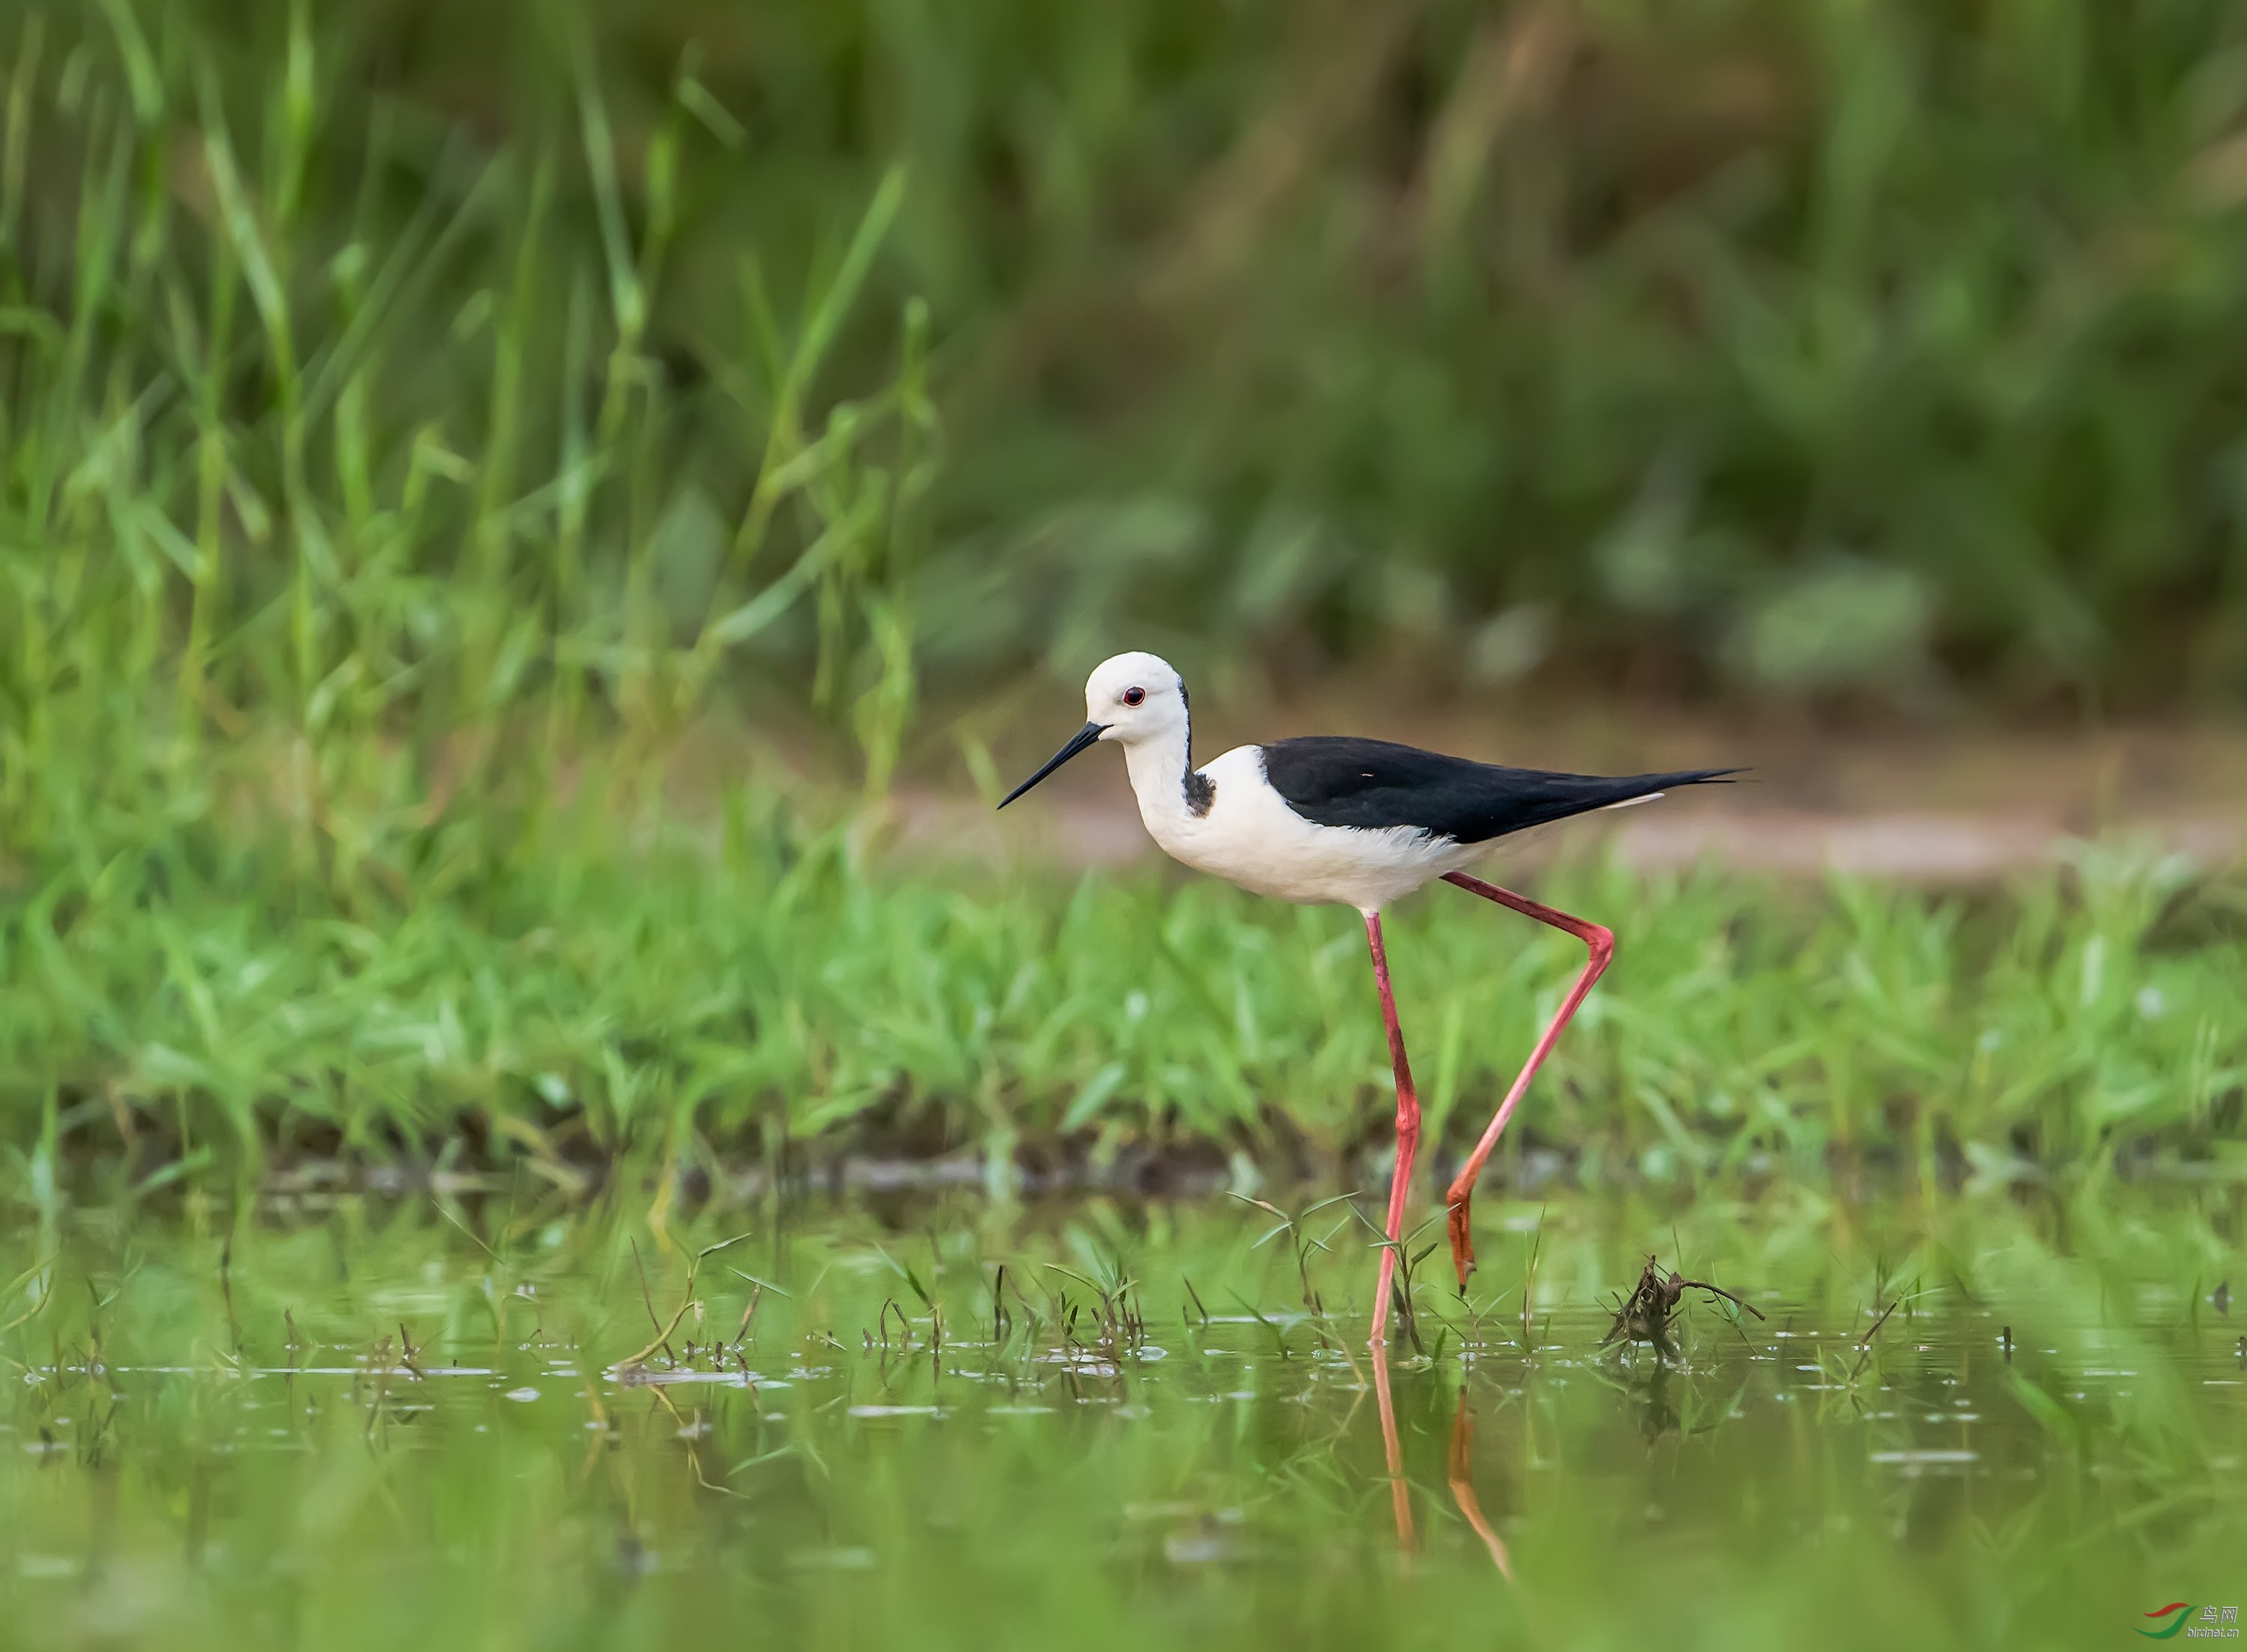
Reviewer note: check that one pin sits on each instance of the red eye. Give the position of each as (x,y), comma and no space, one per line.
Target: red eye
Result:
(1135,696)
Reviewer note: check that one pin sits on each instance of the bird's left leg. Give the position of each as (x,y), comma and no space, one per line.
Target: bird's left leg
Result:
(1408,1130)
(1601,944)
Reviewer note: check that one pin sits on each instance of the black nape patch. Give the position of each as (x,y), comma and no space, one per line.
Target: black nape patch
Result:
(1201,792)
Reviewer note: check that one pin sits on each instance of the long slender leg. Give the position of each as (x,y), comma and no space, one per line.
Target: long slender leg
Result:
(1601,942)
(1408,1129)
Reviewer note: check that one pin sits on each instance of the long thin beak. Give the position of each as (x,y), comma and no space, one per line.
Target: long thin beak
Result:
(1078,742)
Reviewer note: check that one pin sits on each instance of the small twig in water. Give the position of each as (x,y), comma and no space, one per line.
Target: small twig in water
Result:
(1865,1343)
(1195,1297)
(1644,1316)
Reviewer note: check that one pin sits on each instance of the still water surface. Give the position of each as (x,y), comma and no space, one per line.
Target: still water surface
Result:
(482,1422)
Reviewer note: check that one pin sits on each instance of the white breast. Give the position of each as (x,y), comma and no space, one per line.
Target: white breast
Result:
(1251,837)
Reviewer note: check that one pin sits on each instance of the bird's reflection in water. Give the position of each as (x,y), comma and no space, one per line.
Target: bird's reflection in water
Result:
(1460,1470)
(1461,1465)
(1407,1539)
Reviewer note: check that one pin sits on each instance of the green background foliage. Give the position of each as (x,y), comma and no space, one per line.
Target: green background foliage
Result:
(1791,350)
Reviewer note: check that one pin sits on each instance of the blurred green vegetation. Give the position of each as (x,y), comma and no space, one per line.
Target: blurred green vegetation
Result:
(402,352)
(421,423)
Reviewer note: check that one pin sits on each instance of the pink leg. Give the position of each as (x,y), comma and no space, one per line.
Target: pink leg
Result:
(1602,944)
(1408,1130)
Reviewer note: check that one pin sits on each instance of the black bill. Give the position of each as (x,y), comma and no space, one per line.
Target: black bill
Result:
(1078,742)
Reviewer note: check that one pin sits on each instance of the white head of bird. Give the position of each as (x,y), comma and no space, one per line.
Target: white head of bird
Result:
(1138,701)
(1136,697)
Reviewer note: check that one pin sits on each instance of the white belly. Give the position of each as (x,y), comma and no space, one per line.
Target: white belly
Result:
(1251,837)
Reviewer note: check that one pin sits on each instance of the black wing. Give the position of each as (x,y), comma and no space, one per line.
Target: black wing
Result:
(1336,780)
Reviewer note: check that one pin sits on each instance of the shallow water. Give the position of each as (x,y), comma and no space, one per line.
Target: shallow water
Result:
(373,1422)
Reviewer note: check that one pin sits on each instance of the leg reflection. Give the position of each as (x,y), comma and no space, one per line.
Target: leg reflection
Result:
(1461,1473)
(1407,1541)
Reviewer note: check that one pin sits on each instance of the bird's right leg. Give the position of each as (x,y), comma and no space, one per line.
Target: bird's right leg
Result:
(1601,944)
(1408,1130)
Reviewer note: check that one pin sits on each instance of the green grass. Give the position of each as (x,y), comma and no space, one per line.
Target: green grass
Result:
(634,984)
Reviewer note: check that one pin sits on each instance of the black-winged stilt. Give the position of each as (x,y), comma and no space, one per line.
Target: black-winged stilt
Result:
(1356,821)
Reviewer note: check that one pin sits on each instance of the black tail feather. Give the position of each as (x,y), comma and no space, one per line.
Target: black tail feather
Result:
(1372,783)
(1529,797)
